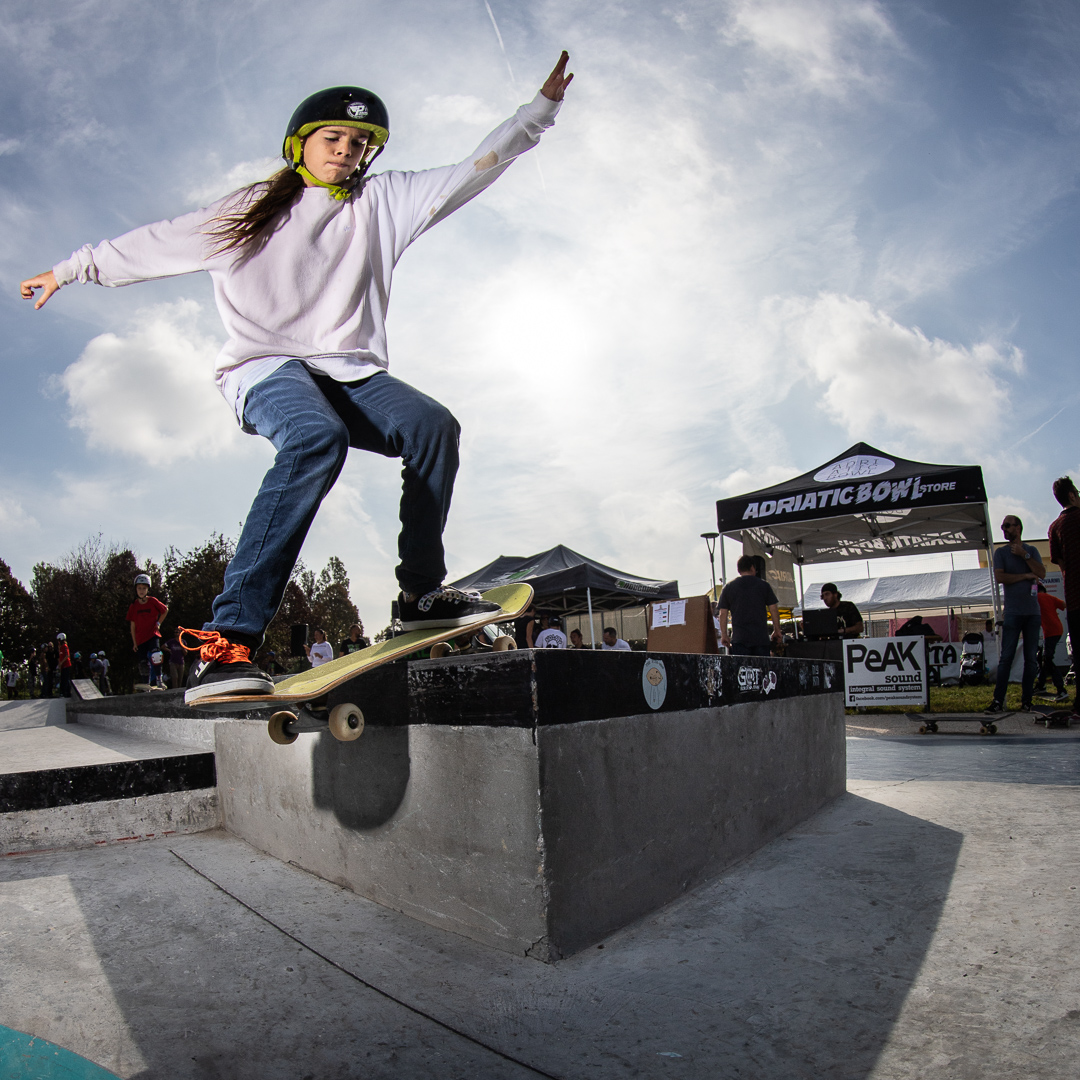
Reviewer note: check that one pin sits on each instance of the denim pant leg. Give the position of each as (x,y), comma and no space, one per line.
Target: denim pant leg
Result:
(387,416)
(1031,626)
(1010,637)
(1073,620)
(290,410)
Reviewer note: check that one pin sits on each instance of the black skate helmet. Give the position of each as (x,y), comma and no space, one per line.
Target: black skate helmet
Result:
(340,106)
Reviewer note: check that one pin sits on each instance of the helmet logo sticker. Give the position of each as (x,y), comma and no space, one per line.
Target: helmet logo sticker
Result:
(357,110)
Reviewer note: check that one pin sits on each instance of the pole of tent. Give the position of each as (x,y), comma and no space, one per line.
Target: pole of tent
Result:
(802,598)
(723,561)
(592,629)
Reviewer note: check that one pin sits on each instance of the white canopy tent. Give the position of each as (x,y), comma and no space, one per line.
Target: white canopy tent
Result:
(915,592)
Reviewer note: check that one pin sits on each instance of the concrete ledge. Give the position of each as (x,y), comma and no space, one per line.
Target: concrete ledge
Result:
(66,828)
(536,840)
(190,729)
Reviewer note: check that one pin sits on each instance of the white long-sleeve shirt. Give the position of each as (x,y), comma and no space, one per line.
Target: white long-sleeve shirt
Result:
(319,288)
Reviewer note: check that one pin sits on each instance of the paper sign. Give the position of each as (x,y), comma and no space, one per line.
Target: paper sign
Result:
(669,613)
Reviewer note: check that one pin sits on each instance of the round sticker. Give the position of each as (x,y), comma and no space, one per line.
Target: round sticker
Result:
(654,683)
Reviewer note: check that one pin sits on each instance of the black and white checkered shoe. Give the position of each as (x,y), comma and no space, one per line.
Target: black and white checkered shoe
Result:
(445,606)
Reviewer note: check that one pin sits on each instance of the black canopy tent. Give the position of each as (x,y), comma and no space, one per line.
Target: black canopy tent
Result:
(863,504)
(569,583)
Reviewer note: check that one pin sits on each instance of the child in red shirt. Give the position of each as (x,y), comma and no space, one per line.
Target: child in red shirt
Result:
(1049,606)
(145,617)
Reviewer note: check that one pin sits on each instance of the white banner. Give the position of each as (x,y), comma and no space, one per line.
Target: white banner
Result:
(885,671)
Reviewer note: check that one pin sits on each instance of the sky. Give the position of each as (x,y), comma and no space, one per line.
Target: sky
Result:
(760,231)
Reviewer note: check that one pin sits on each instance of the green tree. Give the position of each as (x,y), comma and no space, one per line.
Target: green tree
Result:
(17,618)
(193,580)
(87,597)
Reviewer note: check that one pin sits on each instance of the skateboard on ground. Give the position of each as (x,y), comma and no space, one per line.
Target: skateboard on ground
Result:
(302,698)
(987,723)
(1052,716)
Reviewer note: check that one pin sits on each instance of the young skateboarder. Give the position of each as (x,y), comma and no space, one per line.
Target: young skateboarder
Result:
(301,266)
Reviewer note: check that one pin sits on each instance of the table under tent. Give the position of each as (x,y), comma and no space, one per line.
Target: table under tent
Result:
(580,590)
(863,504)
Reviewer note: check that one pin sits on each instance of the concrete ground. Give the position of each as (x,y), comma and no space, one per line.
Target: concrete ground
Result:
(921,926)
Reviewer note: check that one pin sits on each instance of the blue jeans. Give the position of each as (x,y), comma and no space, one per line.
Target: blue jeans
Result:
(312,421)
(1014,626)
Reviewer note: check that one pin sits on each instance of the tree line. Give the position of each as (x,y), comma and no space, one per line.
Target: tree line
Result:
(87,593)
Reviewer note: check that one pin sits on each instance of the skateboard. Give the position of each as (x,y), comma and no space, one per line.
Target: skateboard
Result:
(1052,717)
(987,724)
(302,698)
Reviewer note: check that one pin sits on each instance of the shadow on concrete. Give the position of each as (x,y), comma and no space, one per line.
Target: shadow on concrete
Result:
(795,964)
(363,782)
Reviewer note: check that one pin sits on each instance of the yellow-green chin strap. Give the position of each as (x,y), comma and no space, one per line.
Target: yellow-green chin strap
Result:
(295,155)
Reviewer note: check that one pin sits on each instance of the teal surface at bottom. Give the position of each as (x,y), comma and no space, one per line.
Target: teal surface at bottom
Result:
(26,1057)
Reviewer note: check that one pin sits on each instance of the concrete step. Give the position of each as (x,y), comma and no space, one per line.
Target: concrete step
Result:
(65,786)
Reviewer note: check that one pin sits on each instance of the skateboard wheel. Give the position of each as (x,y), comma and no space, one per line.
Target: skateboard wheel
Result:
(346,722)
(993,729)
(276,726)
(933,727)
(923,729)
(441,648)
(503,643)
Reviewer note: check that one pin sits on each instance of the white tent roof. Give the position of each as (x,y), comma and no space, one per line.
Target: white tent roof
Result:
(946,588)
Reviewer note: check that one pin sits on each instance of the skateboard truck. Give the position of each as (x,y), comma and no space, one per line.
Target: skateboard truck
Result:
(345,722)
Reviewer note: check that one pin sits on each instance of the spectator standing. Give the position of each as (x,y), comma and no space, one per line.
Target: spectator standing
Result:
(526,627)
(48,656)
(612,641)
(63,659)
(576,640)
(176,662)
(1065,551)
(321,652)
(106,686)
(354,642)
(552,637)
(95,670)
(1049,606)
(749,598)
(11,679)
(145,616)
(1017,568)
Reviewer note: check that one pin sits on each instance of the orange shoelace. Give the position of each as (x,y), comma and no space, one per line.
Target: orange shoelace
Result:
(212,646)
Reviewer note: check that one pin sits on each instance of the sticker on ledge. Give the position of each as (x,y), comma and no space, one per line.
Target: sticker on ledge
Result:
(654,683)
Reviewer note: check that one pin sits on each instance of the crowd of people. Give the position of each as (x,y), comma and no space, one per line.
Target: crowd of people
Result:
(537,629)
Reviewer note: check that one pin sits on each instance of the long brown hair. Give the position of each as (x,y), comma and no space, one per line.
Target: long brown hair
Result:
(255,209)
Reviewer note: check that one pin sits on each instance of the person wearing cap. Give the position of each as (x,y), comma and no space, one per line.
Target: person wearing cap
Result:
(552,637)
(145,616)
(63,659)
(849,622)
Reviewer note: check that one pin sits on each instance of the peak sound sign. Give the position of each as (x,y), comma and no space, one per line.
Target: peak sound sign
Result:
(885,671)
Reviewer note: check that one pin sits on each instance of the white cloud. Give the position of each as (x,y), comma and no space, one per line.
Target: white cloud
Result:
(440,109)
(9,146)
(823,44)
(883,379)
(216,183)
(149,393)
(14,516)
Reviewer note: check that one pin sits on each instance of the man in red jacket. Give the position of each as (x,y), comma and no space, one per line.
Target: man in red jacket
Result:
(1065,551)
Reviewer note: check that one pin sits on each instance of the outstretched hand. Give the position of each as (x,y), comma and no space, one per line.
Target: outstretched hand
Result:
(558,80)
(46,282)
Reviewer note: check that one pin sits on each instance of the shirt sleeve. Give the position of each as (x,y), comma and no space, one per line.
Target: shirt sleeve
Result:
(418,200)
(770,595)
(163,249)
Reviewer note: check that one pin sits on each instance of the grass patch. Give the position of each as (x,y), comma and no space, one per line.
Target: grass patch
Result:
(952,699)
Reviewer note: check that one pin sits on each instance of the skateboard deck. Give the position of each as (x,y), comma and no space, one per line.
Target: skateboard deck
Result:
(346,721)
(928,722)
(1052,716)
